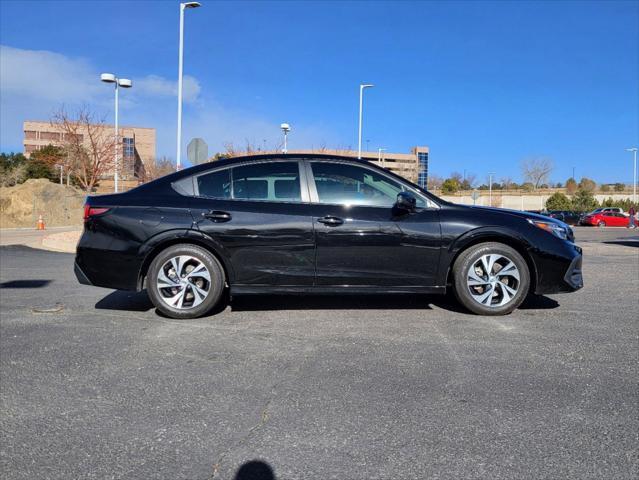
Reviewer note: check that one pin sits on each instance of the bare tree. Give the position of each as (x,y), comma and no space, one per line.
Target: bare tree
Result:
(435,182)
(537,170)
(507,183)
(158,168)
(88,146)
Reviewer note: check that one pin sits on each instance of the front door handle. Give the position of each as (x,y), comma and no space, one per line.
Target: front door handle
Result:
(330,221)
(217,216)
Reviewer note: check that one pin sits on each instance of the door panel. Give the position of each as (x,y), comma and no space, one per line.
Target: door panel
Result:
(267,243)
(371,247)
(358,240)
(259,219)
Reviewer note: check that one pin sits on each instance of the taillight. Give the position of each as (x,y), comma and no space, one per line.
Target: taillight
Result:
(90,211)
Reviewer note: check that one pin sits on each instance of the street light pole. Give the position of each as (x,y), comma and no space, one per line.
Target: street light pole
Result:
(183,6)
(285,128)
(490,188)
(379,155)
(124,83)
(362,86)
(634,174)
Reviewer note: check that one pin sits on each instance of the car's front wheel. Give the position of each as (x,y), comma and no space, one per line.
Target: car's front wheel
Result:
(601,223)
(185,281)
(491,279)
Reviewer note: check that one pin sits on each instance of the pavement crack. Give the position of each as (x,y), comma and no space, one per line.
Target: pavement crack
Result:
(264,416)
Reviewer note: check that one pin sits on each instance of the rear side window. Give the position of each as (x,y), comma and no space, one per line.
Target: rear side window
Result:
(277,181)
(215,185)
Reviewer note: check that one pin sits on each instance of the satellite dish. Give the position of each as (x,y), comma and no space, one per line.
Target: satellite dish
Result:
(197,151)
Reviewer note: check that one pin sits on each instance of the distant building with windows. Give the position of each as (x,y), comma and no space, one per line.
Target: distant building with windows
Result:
(138,147)
(412,166)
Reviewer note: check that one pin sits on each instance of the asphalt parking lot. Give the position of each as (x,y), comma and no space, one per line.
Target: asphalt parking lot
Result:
(96,385)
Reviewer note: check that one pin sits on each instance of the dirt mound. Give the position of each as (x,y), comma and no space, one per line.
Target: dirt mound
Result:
(59,205)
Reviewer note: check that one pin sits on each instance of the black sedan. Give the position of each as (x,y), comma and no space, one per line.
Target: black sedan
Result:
(567,216)
(301,224)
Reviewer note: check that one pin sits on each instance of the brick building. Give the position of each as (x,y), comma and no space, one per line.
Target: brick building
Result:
(138,147)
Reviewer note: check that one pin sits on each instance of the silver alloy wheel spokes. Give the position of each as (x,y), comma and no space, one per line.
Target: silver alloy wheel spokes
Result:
(183,282)
(493,280)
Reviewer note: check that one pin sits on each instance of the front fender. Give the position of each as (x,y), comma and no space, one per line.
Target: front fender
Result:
(494,233)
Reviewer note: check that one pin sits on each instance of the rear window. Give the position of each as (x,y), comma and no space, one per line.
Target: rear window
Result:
(215,185)
(267,181)
(275,181)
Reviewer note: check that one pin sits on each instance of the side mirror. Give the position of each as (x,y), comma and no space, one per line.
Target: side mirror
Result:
(406,202)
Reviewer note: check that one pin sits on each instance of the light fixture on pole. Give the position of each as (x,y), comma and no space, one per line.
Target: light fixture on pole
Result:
(124,83)
(361,98)
(379,155)
(183,6)
(285,128)
(634,175)
(490,188)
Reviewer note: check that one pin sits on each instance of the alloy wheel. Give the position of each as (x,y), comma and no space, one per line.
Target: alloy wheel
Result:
(183,282)
(493,280)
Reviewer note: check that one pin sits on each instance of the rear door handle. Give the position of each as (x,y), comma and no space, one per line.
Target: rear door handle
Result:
(217,216)
(330,221)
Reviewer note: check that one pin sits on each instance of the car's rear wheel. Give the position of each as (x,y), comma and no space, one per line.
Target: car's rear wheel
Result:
(491,279)
(185,281)
(601,223)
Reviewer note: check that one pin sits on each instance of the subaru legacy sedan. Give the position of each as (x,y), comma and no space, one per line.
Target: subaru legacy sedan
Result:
(305,224)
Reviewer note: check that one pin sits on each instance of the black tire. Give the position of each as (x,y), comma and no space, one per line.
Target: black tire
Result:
(216,285)
(468,258)
(601,223)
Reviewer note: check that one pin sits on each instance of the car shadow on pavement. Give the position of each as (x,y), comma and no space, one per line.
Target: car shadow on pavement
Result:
(539,302)
(125,300)
(624,243)
(25,284)
(139,302)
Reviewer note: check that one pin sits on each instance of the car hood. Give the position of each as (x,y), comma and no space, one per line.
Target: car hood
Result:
(526,216)
(518,213)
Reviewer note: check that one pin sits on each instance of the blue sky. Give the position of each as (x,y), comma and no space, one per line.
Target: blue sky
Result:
(484,84)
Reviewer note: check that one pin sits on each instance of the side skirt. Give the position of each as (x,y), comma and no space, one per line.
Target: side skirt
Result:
(323,290)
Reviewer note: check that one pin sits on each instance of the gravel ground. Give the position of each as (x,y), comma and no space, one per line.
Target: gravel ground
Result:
(96,385)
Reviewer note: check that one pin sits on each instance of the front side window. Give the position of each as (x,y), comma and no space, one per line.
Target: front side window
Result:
(352,185)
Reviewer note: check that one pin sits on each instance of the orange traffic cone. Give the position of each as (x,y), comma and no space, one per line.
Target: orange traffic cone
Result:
(40,224)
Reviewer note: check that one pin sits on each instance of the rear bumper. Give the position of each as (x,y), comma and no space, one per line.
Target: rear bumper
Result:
(79,274)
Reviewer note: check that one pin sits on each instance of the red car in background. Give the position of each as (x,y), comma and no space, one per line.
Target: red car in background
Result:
(606,219)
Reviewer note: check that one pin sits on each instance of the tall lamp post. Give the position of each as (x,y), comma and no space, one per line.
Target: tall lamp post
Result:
(379,155)
(362,86)
(490,188)
(183,6)
(124,83)
(285,129)
(634,175)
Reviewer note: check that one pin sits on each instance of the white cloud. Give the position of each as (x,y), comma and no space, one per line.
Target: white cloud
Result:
(34,83)
(154,85)
(40,74)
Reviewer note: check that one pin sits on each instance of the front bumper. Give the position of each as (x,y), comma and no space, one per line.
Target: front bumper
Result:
(574,276)
(560,271)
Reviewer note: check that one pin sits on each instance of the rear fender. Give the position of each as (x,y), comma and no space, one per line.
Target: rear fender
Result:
(154,245)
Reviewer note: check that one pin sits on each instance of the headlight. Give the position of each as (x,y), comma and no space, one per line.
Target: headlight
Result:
(556,230)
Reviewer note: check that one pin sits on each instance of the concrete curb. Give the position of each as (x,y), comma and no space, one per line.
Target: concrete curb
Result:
(61,242)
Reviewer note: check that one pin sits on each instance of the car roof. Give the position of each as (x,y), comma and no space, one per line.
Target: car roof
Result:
(229,162)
